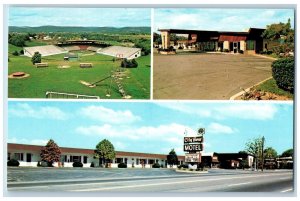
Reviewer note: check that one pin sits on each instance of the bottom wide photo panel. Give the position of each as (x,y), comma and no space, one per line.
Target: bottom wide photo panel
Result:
(150,147)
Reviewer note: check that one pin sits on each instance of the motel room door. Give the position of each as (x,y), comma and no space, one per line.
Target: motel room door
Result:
(28,157)
(236,47)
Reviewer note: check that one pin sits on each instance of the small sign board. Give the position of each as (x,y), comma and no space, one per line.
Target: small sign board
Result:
(193,158)
(193,140)
(192,147)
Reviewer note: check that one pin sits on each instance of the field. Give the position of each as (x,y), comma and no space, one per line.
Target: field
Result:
(136,81)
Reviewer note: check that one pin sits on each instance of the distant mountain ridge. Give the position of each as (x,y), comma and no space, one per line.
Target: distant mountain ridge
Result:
(49,28)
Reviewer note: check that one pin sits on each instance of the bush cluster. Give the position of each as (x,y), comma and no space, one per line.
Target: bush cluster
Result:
(15,53)
(156,165)
(129,63)
(283,72)
(226,50)
(241,51)
(184,166)
(77,164)
(92,164)
(13,162)
(122,165)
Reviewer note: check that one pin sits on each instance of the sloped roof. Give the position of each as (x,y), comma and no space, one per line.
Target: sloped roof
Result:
(45,50)
(37,148)
(123,52)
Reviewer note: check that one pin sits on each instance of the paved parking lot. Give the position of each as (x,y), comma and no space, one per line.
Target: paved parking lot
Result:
(206,76)
(26,180)
(28,174)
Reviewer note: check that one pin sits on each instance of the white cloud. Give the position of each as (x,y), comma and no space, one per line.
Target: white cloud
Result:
(47,112)
(169,133)
(217,128)
(261,111)
(26,141)
(108,115)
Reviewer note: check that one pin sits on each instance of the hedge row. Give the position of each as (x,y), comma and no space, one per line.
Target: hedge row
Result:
(283,72)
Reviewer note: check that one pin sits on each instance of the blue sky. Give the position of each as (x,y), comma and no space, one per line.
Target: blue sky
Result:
(95,17)
(151,127)
(219,19)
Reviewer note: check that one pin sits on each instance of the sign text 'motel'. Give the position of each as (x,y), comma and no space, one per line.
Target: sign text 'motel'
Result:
(193,139)
(192,147)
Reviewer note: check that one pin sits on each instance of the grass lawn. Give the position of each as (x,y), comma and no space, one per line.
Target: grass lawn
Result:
(136,82)
(271,86)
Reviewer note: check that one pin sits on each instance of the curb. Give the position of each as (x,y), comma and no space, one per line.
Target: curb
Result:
(266,57)
(192,172)
(248,89)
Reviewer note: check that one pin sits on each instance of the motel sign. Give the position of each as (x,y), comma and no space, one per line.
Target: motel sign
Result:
(193,147)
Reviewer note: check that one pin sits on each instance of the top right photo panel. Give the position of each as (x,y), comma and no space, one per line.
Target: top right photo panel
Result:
(223,54)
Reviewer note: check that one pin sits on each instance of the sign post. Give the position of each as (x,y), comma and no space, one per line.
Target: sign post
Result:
(194,145)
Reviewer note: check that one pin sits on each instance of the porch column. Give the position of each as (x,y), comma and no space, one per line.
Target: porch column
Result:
(165,39)
(243,45)
(226,45)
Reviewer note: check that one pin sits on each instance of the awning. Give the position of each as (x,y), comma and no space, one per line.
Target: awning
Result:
(231,38)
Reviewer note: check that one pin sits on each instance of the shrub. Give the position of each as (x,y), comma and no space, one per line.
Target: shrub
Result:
(283,72)
(13,162)
(92,164)
(156,165)
(36,58)
(77,164)
(39,164)
(180,48)
(15,53)
(241,51)
(184,166)
(122,165)
(129,63)
(21,51)
(226,50)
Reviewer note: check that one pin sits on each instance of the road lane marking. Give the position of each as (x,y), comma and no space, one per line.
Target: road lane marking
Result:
(166,183)
(239,184)
(283,178)
(287,190)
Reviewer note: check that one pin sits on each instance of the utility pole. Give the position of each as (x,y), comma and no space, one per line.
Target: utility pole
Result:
(262,153)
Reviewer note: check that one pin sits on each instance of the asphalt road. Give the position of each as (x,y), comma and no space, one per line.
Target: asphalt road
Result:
(154,182)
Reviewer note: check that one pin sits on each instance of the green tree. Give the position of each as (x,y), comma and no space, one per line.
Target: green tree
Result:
(288,153)
(270,153)
(105,151)
(50,153)
(17,39)
(255,147)
(36,58)
(172,158)
(281,32)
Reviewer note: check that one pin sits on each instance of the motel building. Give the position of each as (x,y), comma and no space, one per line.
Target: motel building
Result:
(249,42)
(29,155)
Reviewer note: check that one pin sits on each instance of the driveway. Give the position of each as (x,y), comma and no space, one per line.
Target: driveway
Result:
(206,76)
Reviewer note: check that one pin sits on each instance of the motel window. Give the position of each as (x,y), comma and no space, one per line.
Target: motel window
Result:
(8,156)
(150,161)
(119,160)
(137,161)
(250,44)
(75,158)
(85,159)
(19,156)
